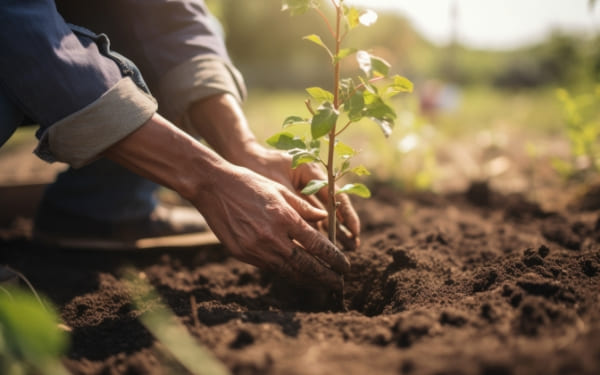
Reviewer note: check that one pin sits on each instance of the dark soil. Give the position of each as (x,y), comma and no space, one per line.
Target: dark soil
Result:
(473,283)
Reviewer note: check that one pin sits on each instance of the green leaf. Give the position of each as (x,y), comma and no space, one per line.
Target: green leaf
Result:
(399,84)
(323,121)
(317,40)
(343,150)
(294,120)
(29,332)
(314,186)
(361,170)
(384,125)
(302,158)
(315,145)
(352,16)
(356,189)
(320,94)
(379,67)
(346,89)
(355,107)
(298,6)
(345,166)
(377,108)
(345,52)
(286,141)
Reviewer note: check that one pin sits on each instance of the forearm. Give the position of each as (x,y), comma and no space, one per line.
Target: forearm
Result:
(164,154)
(220,121)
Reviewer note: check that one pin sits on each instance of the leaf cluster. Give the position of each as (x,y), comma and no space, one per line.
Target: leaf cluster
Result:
(366,96)
(582,131)
(30,340)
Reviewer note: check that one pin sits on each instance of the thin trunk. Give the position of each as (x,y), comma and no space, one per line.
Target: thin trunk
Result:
(332,205)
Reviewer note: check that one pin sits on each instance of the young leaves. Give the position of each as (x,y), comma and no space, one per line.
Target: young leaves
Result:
(286,141)
(399,84)
(314,186)
(357,101)
(298,6)
(294,120)
(324,120)
(318,41)
(356,189)
(373,66)
(319,94)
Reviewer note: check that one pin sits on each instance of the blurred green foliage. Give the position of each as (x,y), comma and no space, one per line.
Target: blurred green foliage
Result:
(30,340)
(264,45)
(583,132)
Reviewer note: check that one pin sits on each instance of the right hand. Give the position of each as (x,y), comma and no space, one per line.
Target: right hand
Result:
(265,224)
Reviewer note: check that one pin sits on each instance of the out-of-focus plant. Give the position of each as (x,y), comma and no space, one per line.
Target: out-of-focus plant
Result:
(163,324)
(31,341)
(583,132)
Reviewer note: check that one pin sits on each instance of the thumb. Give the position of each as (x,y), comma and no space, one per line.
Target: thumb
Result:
(306,210)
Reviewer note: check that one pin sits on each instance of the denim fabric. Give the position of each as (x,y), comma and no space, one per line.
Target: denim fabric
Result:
(126,66)
(158,35)
(103,190)
(48,72)
(10,118)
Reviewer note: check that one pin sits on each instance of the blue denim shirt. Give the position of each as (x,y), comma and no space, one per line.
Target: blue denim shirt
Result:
(46,71)
(50,69)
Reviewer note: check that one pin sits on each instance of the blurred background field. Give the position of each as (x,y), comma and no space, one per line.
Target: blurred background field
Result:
(489,114)
(478,114)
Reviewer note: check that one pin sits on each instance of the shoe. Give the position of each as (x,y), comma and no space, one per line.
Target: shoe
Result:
(166,227)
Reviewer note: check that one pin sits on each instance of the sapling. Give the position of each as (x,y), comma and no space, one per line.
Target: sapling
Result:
(332,112)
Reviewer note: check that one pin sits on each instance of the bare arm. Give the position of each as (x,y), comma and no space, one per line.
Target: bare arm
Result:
(260,222)
(221,122)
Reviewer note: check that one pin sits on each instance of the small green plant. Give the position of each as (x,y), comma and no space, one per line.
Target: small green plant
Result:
(30,338)
(583,132)
(164,325)
(333,111)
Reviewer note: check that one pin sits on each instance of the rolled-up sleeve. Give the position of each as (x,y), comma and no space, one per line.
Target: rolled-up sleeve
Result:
(177,44)
(79,97)
(183,45)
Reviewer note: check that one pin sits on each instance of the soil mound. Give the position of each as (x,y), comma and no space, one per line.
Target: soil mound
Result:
(474,283)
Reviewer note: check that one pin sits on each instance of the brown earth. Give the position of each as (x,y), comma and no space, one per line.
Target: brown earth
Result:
(473,283)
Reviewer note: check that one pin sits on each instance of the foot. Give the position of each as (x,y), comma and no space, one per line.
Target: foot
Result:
(165,227)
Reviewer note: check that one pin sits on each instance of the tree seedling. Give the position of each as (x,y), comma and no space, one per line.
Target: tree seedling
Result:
(331,112)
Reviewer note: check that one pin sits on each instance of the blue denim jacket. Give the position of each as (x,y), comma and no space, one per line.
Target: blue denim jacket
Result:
(46,71)
(50,70)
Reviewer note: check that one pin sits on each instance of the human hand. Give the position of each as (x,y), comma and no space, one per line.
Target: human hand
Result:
(277,166)
(265,224)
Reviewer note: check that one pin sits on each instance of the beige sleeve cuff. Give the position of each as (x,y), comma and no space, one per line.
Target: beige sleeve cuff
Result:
(198,78)
(80,137)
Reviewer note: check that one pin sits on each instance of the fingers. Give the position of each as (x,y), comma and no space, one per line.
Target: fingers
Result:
(303,269)
(306,210)
(346,238)
(345,211)
(347,215)
(318,245)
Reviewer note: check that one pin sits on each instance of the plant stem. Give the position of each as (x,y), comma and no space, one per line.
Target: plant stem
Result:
(332,204)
